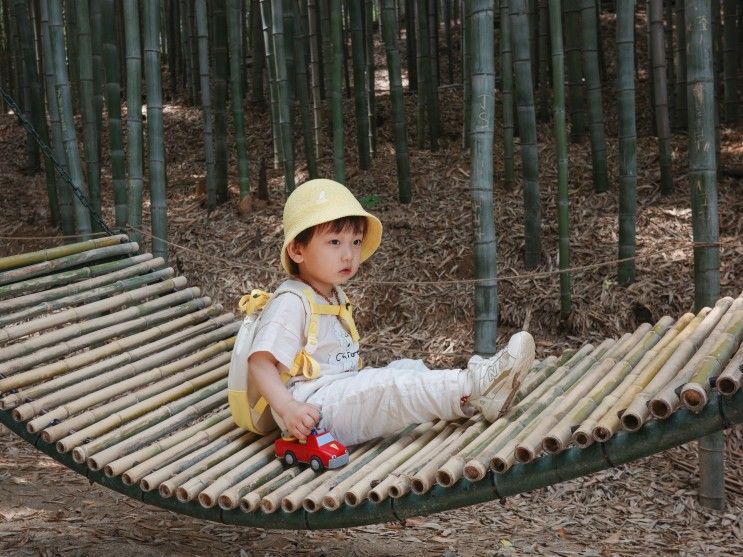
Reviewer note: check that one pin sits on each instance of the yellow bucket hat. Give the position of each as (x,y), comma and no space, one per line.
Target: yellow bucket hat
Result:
(322,200)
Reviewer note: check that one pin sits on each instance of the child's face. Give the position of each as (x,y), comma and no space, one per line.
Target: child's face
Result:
(329,258)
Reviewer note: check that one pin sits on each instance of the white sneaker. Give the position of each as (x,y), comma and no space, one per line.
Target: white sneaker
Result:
(496,380)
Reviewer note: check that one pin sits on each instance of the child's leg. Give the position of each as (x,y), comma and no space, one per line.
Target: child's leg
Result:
(381,402)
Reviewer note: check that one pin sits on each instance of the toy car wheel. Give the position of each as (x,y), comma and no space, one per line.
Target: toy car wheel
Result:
(290,459)
(316,464)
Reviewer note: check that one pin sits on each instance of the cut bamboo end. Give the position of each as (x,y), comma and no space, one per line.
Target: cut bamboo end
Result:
(227,502)
(602,433)
(500,464)
(311,505)
(421,484)
(728,386)
(206,500)
(250,502)
(451,472)
(400,487)
(268,505)
(552,444)
(21,414)
(631,421)
(660,408)
(331,501)
(125,477)
(165,490)
(78,453)
(694,396)
(183,495)
(475,470)
(583,439)
(524,454)
(94,463)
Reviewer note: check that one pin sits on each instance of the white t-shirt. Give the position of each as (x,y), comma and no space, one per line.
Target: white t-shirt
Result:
(281,331)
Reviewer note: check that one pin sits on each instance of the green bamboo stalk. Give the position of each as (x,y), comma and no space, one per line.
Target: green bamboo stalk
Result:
(316,78)
(285,108)
(192,55)
(202,35)
(449,40)
(669,40)
(134,138)
(70,22)
(434,116)
(63,191)
(482,126)
(528,132)
(360,84)
(113,109)
(466,71)
(336,106)
(155,134)
(561,148)
(411,44)
(660,95)
(36,97)
(731,378)
(370,73)
(543,60)
(679,66)
(574,71)
(257,95)
(326,53)
(731,61)
(265,8)
(88,107)
(300,56)
(399,125)
(509,175)
(590,40)
(64,105)
(218,38)
(236,94)
(99,80)
(421,22)
(627,140)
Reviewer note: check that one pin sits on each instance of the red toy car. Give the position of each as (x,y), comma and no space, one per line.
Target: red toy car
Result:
(320,451)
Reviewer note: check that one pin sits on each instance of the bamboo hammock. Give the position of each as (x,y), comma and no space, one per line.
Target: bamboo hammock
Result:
(118,370)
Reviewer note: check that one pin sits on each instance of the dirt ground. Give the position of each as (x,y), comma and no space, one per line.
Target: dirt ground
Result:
(647,507)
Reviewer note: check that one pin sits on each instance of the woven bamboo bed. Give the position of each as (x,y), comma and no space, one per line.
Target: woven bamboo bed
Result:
(117,369)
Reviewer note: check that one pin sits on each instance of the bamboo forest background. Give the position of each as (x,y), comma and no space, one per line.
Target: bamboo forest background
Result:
(596,134)
(70,63)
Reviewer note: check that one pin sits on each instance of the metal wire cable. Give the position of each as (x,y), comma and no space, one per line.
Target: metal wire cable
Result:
(48,153)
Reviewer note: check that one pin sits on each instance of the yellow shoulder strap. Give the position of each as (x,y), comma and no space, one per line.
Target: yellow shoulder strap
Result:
(255,301)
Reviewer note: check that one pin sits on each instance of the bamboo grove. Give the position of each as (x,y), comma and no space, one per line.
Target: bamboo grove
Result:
(517,63)
(301,59)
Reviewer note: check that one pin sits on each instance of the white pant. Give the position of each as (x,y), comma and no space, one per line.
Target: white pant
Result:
(376,402)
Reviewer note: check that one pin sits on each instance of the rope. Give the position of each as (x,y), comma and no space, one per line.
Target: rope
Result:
(513,277)
(80,194)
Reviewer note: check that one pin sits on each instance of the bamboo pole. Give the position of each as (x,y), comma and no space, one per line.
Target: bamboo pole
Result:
(294,500)
(302,87)
(360,84)
(138,406)
(453,469)
(263,477)
(147,265)
(236,94)
(78,314)
(507,93)
(637,412)
(660,95)
(558,436)
(137,473)
(126,461)
(207,109)
(250,458)
(271,502)
(336,107)
(67,277)
(427,444)
(166,377)
(252,501)
(668,399)
(75,259)
(263,453)
(524,430)
(695,393)
(81,298)
(171,477)
(111,447)
(334,498)
(163,353)
(285,106)
(604,420)
(84,358)
(730,380)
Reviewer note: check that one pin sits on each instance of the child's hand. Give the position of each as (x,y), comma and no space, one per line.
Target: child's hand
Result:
(300,418)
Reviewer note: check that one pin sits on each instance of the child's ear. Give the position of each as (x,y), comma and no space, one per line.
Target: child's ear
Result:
(294,251)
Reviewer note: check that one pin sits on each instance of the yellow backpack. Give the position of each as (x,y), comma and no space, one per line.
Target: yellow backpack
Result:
(249,409)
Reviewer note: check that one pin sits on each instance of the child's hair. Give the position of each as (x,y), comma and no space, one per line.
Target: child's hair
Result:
(355,223)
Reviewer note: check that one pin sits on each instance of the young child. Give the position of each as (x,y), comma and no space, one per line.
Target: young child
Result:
(327,235)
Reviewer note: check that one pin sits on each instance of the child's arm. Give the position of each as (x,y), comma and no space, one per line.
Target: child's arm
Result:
(299,417)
